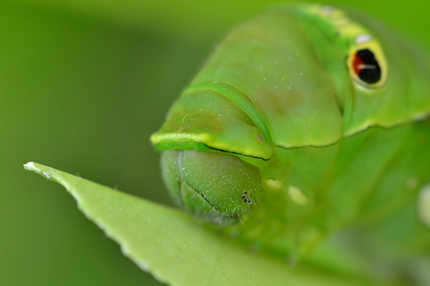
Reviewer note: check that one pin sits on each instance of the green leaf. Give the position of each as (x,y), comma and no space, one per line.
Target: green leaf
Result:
(177,249)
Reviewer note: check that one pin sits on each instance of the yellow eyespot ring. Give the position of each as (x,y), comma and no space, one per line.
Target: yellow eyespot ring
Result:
(366,60)
(367,64)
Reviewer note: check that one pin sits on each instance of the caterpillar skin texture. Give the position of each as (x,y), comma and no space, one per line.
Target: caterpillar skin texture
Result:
(305,122)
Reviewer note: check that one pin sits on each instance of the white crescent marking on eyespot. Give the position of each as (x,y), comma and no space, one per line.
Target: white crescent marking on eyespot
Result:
(363,39)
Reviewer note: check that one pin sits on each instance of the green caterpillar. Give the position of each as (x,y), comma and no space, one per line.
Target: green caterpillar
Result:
(305,121)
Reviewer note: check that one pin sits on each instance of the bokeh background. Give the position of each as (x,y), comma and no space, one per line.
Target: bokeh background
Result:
(83,84)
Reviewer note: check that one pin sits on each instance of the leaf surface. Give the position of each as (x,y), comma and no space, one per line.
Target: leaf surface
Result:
(174,247)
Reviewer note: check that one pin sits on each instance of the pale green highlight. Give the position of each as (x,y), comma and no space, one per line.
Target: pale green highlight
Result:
(424,205)
(297,196)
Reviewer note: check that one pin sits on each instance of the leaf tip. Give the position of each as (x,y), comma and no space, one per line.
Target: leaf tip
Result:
(39,169)
(30,166)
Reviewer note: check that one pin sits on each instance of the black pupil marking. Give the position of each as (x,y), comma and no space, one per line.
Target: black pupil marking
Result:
(369,70)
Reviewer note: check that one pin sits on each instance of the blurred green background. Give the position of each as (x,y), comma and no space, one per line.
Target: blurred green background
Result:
(83,84)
